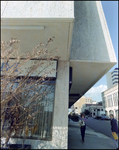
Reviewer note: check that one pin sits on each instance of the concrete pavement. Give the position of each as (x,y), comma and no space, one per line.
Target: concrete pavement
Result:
(93,140)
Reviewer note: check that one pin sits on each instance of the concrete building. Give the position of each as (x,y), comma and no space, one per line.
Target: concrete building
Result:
(85,50)
(88,100)
(94,109)
(94,102)
(112,78)
(111,101)
(110,97)
(78,104)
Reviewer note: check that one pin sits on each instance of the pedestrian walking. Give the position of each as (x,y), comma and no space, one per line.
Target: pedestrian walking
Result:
(82,125)
(114,129)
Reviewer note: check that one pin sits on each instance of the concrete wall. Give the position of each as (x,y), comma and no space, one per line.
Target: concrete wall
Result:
(60,117)
(37,9)
(36,21)
(91,39)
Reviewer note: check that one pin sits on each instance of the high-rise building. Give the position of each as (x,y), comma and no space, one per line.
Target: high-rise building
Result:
(112,78)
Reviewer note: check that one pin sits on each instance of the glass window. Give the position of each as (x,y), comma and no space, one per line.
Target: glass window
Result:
(35,103)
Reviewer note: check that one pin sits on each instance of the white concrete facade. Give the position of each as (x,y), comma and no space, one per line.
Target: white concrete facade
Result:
(60,119)
(83,40)
(37,9)
(111,101)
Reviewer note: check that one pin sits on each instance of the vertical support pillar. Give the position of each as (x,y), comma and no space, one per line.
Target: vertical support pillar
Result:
(60,118)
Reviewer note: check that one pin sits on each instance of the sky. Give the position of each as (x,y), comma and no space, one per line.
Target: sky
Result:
(110,9)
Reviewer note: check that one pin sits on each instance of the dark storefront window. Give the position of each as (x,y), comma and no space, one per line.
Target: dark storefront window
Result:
(40,107)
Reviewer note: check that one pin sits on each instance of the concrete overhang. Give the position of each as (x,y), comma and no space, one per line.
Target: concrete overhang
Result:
(85,74)
(32,31)
(92,54)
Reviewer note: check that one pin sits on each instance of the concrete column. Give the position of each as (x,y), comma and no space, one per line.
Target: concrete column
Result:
(60,114)
(60,118)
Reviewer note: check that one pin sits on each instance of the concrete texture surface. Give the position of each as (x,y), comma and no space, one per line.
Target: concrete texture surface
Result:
(91,39)
(37,9)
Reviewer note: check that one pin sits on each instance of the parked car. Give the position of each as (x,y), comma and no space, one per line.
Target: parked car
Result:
(105,118)
(75,117)
(98,117)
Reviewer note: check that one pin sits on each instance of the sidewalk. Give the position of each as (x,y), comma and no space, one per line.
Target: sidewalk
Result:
(93,140)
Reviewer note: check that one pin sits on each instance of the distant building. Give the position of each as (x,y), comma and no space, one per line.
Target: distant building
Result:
(94,109)
(88,100)
(110,96)
(78,104)
(111,101)
(112,78)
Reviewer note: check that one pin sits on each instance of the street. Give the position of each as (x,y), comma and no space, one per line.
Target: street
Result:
(101,126)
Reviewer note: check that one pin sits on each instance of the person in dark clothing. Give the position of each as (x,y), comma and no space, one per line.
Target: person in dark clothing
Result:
(82,124)
(114,128)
